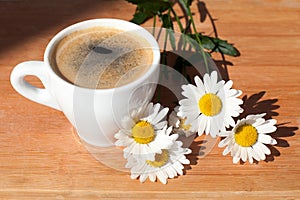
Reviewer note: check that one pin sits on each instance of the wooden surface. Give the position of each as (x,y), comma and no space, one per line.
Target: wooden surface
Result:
(40,156)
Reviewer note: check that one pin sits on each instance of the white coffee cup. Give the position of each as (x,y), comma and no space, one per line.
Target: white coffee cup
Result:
(96,114)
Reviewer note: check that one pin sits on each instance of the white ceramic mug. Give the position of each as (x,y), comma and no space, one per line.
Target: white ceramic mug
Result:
(95,113)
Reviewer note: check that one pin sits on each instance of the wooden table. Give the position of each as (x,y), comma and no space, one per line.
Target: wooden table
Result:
(40,156)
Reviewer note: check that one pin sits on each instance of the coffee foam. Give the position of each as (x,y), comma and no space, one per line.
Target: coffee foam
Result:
(101,57)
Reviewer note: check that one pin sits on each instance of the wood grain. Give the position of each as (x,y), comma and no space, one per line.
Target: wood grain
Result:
(41,156)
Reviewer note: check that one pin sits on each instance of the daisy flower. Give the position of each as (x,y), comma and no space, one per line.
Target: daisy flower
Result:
(141,133)
(178,123)
(247,138)
(210,105)
(167,164)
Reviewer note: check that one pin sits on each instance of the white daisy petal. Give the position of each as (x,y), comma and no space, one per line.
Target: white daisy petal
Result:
(119,143)
(202,123)
(187,151)
(234,149)
(191,92)
(151,121)
(224,133)
(228,85)
(170,171)
(143,177)
(255,117)
(160,115)
(185,102)
(239,93)
(134,176)
(236,160)
(214,77)
(225,142)
(127,123)
(250,154)
(152,177)
(172,167)
(207,128)
(199,83)
(185,161)
(272,121)
(205,122)
(259,151)
(244,154)
(229,121)
(255,154)
(207,83)
(154,113)
(226,151)
(266,139)
(266,127)
(160,125)
(235,101)
(238,152)
(264,149)
(251,149)
(191,117)
(217,87)
(273,142)
(232,93)
(194,124)
(194,115)
(186,111)
(258,122)
(231,144)
(162,177)
(214,130)
(178,167)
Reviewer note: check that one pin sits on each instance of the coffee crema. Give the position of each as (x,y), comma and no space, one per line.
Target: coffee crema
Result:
(101,57)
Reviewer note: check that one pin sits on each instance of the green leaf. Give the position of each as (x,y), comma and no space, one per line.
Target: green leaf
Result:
(186,2)
(189,2)
(188,27)
(139,18)
(172,39)
(217,45)
(147,9)
(166,21)
(143,1)
(168,24)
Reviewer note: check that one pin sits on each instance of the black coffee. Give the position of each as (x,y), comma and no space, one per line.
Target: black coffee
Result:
(101,57)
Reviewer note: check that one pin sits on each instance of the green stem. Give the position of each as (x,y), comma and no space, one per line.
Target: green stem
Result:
(197,37)
(154,25)
(182,30)
(178,20)
(164,61)
(164,58)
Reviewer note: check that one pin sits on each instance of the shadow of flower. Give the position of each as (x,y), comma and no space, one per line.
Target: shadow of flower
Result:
(222,64)
(222,68)
(254,105)
(282,131)
(196,148)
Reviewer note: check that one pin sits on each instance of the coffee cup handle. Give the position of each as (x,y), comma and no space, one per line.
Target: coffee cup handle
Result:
(39,95)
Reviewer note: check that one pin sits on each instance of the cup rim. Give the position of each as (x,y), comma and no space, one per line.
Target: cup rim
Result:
(109,22)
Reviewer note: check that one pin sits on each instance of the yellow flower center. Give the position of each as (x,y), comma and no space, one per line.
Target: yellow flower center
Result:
(184,126)
(160,159)
(143,132)
(246,135)
(210,104)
